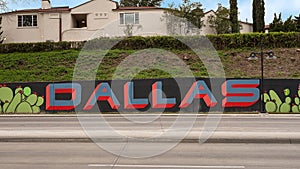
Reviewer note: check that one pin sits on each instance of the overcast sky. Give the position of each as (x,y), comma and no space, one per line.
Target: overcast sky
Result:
(287,7)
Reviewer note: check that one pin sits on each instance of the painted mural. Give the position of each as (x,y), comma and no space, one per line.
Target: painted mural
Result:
(151,95)
(21,100)
(273,103)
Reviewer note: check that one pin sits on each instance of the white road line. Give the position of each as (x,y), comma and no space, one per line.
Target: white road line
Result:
(166,166)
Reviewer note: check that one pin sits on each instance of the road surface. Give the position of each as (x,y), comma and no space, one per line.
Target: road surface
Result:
(184,156)
(46,154)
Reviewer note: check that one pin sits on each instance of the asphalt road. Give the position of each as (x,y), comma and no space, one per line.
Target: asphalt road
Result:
(184,156)
(81,155)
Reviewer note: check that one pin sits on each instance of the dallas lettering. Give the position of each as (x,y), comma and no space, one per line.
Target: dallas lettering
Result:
(237,93)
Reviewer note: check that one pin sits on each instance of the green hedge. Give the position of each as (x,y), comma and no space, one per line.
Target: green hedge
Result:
(253,40)
(220,42)
(39,47)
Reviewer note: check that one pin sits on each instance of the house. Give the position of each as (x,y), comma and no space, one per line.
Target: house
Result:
(267,28)
(245,27)
(95,18)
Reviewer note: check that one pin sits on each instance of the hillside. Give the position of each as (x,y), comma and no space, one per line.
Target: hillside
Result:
(59,65)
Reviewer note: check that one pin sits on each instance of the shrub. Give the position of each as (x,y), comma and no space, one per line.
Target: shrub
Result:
(220,42)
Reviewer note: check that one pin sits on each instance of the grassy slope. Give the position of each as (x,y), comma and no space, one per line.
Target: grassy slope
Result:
(59,65)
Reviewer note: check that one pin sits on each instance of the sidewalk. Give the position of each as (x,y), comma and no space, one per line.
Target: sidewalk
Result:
(222,135)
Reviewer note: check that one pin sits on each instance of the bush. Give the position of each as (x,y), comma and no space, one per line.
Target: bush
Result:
(39,47)
(253,40)
(220,42)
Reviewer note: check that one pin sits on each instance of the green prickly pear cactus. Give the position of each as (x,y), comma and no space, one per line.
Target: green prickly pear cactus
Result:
(24,107)
(40,101)
(271,107)
(273,103)
(22,100)
(14,103)
(32,99)
(6,94)
(296,106)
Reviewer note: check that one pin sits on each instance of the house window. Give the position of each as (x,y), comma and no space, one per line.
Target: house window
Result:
(79,20)
(27,20)
(129,18)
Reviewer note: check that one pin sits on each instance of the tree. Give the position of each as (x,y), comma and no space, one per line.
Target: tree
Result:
(3,5)
(258,15)
(138,3)
(235,28)
(220,21)
(277,24)
(297,20)
(289,25)
(185,17)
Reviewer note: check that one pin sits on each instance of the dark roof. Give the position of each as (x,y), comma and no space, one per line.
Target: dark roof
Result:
(209,12)
(138,8)
(246,22)
(50,10)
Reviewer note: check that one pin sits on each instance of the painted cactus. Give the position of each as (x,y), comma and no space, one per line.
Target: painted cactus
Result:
(19,101)
(273,103)
(296,105)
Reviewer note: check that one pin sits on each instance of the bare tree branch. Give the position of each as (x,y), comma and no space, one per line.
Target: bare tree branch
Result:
(4,4)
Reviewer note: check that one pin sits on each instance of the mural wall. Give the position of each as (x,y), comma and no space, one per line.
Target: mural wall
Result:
(19,100)
(282,101)
(153,95)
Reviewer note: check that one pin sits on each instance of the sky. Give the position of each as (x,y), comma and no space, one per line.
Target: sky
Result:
(286,7)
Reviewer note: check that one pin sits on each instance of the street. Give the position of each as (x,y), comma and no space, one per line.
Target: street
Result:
(207,156)
(240,141)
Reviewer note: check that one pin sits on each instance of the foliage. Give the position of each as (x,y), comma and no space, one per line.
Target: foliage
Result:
(258,15)
(220,21)
(59,65)
(235,27)
(297,20)
(252,40)
(4,3)
(39,47)
(277,24)
(139,3)
(185,18)
(289,25)
(220,42)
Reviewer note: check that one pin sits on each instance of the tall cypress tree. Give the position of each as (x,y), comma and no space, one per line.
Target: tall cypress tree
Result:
(258,15)
(254,15)
(235,28)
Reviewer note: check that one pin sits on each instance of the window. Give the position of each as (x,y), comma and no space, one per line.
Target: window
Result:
(79,20)
(129,18)
(0,20)
(27,20)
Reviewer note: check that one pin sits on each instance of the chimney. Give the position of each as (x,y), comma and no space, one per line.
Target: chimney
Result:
(46,4)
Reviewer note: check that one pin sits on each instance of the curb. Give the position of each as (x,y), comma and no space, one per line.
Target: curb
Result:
(113,140)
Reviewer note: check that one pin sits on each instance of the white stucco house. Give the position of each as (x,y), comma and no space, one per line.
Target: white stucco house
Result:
(95,18)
